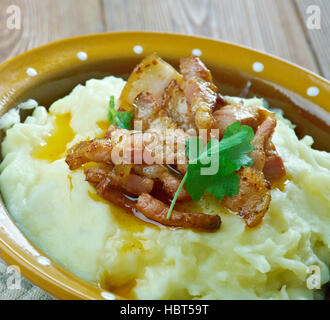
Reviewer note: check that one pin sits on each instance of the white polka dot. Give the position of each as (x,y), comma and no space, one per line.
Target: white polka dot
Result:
(108,296)
(313,91)
(138,49)
(82,56)
(196,52)
(258,67)
(43,261)
(31,72)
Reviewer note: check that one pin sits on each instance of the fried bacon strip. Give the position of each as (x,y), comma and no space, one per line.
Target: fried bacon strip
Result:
(199,90)
(176,106)
(106,178)
(152,75)
(265,157)
(263,135)
(170,183)
(235,112)
(274,168)
(118,198)
(151,207)
(163,99)
(96,150)
(157,211)
(123,146)
(253,198)
(193,67)
(151,114)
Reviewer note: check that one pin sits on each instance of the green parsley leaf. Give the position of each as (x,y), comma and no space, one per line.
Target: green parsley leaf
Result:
(212,167)
(121,119)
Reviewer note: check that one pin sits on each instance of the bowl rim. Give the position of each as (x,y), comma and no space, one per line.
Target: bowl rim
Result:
(142,32)
(76,288)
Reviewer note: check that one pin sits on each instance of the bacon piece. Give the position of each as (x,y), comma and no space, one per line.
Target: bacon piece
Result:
(133,183)
(193,67)
(157,211)
(176,106)
(235,112)
(156,122)
(199,91)
(147,110)
(262,137)
(118,198)
(170,182)
(153,75)
(153,117)
(253,198)
(265,156)
(122,146)
(96,150)
(274,168)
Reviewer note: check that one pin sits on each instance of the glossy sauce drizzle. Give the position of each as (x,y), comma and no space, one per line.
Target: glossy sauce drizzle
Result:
(104,126)
(132,224)
(55,143)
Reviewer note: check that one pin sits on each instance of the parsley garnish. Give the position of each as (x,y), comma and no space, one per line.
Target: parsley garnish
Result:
(121,119)
(231,155)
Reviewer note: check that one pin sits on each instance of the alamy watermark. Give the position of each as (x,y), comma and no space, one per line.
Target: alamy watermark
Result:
(313,281)
(162,147)
(313,21)
(11,275)
(14,17)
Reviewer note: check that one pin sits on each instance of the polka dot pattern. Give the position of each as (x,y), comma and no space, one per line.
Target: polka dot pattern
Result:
(258,67)
(108,296)
(138,49)
(313,91)
(196,52)
(82,56)
(31,72)
(43,261)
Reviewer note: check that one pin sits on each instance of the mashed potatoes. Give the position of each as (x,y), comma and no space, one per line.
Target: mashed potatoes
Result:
(61,213)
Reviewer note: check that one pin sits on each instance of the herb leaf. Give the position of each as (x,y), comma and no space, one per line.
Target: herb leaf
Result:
(230,154)
(121,119)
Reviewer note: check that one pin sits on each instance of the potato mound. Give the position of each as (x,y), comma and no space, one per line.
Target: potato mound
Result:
(60,212)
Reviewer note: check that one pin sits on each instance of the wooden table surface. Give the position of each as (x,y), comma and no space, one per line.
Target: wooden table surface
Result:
(276,26)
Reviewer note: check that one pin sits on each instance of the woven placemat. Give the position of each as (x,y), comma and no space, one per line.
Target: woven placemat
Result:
(15,287)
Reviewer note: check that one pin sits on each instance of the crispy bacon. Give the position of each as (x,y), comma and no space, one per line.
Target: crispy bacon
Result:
(193,67)
(253,198)
(106,178)
(263,135)
(265,156)
(152,75)
(170,182)
(118,198)
(150,113)
(176,106)
(153,117)
(157,211)
(199,90)
(96,150)
(124,146)
(231,113)
(164,100)
(274,168)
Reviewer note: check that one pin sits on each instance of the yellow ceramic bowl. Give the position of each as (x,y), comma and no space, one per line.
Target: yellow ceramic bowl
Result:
(51,71)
